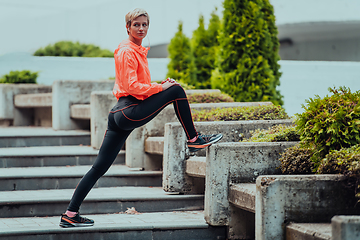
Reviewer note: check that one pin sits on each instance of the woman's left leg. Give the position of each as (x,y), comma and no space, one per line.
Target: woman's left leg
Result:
(147,109)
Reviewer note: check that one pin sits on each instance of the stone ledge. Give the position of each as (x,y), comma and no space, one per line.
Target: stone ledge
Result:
(313,231)
(345,227)
(154,145)
(243,196)
(196,167)
(33,100)
(80,111)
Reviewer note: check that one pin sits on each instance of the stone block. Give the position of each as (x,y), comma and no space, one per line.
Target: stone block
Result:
(196,166)
(281,199)
(345,227)
(33,100)
(154,145)
(80,111)
(239,162)
(67,93)
(174,175)
(100,106)
(9,114)
(311,231)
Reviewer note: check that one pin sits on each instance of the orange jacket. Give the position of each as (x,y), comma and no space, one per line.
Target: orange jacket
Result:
(132,75)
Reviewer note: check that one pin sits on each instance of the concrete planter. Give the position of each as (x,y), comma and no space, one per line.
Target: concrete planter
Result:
(242,162)
(299,198)
(9,114)
(175,178)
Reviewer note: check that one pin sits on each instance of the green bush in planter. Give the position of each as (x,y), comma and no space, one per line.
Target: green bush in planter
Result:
(264,112)
(297,160)
(209,98)
(24,76)
(277,133)
(344,161)
(330,123)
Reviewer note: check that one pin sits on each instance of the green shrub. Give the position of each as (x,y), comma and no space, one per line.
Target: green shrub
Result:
(24,76)
(209,98)
(70,49)
(297,160)
(345,161)
(277,133)
(330,123)
(246,66)
(181,66)
(264,112)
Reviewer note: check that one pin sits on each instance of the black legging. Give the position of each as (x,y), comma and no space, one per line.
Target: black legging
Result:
(128,114)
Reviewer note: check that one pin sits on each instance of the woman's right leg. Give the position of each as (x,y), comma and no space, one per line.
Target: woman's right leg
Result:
(112,143)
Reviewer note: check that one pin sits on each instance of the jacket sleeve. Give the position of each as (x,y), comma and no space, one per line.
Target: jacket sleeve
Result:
(128,65)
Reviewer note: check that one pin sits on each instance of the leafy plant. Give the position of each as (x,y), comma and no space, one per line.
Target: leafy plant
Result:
(263,112)
(246,66)
(344,161)
(204,44)
(181,66)
(209,98)
(25,76)
(330,123)
(277,133)
(70,49)
(297,160)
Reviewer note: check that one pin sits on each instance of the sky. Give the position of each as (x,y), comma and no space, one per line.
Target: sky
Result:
(30,24)
(26,25)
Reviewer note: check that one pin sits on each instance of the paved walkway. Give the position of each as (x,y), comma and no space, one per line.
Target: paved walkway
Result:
(158,220)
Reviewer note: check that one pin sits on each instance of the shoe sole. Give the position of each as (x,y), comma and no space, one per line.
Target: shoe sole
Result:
(195,148)
(67,225)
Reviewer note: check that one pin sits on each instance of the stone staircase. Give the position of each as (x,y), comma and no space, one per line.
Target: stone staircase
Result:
(39,170)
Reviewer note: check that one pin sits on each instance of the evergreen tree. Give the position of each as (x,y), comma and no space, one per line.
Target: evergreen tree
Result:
(247,66)
(181,65)
(204,44)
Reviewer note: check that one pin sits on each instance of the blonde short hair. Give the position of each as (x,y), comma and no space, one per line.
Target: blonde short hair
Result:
(137,12)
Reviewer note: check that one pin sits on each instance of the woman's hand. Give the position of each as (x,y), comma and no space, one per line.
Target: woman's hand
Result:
(168,83)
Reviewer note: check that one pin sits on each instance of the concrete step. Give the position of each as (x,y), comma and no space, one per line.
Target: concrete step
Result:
(242,195)
(37,178)
(99,200)
(307,231)
(51,156)
(80,111)
(154,145)
(40,136)
(32,100)
(157,226)
(196,166)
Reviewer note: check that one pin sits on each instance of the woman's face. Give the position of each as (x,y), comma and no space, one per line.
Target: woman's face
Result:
(138,28)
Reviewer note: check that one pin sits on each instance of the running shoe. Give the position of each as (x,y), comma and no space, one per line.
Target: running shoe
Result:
(203,141)
(76,221)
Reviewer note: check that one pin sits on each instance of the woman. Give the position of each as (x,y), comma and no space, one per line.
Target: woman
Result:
(139,101)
